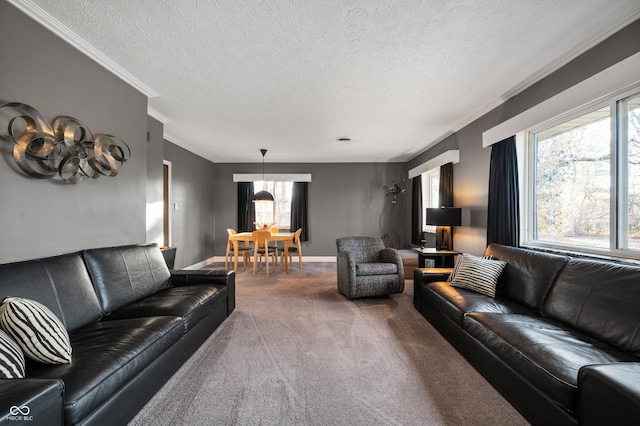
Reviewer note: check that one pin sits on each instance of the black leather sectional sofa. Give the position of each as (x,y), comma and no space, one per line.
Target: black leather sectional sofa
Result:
(131,321)
(560,341)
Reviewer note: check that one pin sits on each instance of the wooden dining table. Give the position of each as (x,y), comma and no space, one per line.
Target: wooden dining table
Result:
(247,237)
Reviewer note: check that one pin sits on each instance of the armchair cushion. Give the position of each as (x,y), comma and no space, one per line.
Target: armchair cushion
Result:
(365,269)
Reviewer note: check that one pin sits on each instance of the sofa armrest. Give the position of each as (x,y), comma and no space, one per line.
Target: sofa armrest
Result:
(37,401)
(221,276)
(346,265)
(609,394)
(427,275)
(431,275)
(181,277)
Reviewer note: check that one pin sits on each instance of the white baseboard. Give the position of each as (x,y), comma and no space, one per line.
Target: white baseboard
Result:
(220,259)
(203,263)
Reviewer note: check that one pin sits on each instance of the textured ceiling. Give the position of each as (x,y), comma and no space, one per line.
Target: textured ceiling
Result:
(229,77)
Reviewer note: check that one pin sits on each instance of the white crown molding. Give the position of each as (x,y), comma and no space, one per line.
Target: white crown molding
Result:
(158,116)
(58,28)
(174,140)
(615,79)
(461,125)
(550,68)
(573,53)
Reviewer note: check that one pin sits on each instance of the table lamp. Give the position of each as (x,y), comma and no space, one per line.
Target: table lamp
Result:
(444,218)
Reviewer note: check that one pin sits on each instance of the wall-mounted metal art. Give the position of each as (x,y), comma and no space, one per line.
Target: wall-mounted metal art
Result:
(395,190)
(64,148)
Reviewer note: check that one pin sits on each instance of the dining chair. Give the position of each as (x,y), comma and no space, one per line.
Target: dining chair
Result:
(275,245)
(244,250)
(295,248)
(262,249)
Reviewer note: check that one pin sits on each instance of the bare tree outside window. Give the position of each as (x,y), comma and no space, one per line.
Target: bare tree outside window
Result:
(573,180)
(585,192)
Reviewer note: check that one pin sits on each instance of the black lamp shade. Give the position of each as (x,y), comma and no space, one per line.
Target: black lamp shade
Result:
(444,216)
(263,196)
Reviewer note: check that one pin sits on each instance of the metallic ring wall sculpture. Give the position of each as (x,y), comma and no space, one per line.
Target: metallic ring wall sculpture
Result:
(64,148)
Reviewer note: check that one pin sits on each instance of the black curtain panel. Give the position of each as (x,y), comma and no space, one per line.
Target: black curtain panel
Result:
(246,209)
(299,209)
(416,210)
(446,185)
(503,222)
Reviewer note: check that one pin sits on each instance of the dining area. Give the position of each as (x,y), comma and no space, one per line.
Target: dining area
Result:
(272,246)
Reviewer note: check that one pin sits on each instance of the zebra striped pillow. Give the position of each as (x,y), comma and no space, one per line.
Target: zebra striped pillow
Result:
(11,358)
(478,274)
(39,333)
(455,268)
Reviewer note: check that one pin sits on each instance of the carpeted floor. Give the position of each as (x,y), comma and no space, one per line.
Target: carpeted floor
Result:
(296,352)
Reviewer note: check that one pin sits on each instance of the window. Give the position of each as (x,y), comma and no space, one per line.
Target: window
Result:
(584,184)
(430,195)
(278,212)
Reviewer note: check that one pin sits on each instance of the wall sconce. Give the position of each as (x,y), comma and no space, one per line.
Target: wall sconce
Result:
(444,218)
(65,148)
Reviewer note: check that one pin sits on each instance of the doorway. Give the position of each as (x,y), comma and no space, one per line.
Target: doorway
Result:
(166,203)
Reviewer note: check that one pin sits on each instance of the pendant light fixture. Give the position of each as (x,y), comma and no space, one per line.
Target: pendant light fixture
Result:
(263,196)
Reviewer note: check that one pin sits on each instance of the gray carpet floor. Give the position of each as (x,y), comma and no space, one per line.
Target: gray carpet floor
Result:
(296,352)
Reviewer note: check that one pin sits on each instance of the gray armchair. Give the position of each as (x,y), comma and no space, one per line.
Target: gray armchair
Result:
(366,268)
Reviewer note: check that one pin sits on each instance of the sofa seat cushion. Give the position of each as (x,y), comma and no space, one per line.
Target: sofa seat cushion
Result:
(191,303)
(106,355)
(544,352)
(455,302)
(376,268)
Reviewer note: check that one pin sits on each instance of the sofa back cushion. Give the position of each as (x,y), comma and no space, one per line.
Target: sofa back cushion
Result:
(122,275)
(600,299)
(364,249)
(61,283)
(528,274)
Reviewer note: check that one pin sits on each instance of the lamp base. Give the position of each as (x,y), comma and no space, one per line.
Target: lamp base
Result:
(444,240)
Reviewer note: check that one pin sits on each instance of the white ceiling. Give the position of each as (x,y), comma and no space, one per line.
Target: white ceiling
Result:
(228,77)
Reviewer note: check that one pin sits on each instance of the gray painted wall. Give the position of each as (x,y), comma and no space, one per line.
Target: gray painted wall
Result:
(44,217)
(471,174)
(192,188)
(344,199)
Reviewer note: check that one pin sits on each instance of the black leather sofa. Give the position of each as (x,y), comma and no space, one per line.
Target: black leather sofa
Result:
(560,341)
(131,321)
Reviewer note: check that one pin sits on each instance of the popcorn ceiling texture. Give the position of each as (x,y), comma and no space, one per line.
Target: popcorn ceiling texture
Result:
(291,76)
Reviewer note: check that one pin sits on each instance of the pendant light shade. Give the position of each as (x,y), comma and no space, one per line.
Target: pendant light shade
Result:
(263,196)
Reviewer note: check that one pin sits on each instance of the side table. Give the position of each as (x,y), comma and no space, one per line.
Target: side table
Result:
(443,258)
